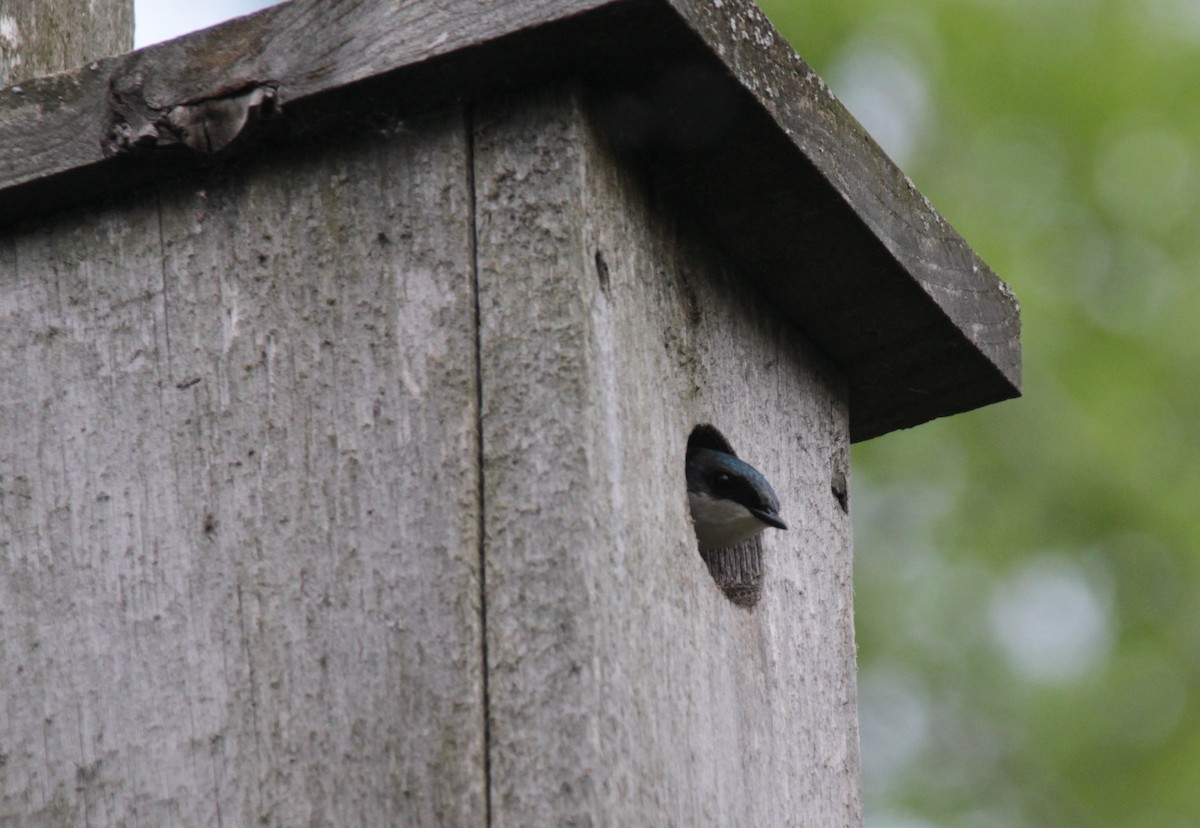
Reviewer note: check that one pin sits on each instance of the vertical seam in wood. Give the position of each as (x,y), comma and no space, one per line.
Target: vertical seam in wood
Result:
(469,125)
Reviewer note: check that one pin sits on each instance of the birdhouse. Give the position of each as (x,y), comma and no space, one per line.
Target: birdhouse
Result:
(350,360)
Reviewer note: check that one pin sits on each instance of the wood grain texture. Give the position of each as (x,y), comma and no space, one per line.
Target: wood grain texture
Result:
(625,688)
(309,49)
(39,37)
(746,136)
(239,524)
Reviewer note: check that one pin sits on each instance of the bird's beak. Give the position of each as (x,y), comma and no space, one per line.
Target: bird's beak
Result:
(769,518)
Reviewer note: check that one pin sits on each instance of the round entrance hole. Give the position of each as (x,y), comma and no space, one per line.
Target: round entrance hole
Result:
(717,485)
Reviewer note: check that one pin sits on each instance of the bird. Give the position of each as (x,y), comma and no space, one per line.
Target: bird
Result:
(729,499)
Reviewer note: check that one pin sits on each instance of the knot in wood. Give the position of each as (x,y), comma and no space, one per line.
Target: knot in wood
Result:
(208,123)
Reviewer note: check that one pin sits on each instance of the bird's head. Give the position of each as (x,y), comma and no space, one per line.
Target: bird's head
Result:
(730,501)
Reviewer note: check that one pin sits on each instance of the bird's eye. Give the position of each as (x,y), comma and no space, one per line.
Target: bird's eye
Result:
(721,481)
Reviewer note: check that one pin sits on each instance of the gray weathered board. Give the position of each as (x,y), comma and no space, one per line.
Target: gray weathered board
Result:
(38,37)
(241,498)
(624,688)
(239,522)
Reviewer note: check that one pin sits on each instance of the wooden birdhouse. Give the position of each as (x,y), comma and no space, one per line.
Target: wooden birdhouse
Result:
(349,356)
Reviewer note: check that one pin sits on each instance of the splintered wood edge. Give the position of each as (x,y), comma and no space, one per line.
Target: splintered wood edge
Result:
(796,192)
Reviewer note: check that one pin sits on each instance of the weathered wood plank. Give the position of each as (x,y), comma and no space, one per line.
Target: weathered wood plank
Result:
(239,524)
(38,37)
(49,127)
(625,688)
(735,124)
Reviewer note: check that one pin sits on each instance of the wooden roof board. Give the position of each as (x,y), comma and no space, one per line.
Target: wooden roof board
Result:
(727,115)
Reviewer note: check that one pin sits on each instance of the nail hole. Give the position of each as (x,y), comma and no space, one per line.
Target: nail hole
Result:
(839,464)
(838,487)
(602,273)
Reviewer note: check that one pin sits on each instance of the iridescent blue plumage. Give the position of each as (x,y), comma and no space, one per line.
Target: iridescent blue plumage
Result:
(730,500)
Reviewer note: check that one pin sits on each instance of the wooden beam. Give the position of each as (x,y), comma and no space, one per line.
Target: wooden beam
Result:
(38,37)
(730,123)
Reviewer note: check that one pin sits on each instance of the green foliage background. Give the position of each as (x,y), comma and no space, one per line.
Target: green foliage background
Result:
(1028,584)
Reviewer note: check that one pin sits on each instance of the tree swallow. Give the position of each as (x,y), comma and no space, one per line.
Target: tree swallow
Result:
(730,500)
